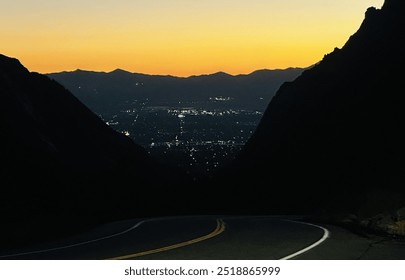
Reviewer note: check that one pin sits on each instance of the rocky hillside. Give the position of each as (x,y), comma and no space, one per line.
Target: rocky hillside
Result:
(60,164)
(332,140)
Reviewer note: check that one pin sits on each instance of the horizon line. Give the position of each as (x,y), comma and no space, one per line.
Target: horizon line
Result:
(177,76)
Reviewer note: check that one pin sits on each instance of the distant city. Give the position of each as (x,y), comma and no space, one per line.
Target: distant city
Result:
(187,135)
(198,124)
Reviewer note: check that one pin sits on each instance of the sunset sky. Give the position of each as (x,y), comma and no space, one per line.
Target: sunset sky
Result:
(176,37)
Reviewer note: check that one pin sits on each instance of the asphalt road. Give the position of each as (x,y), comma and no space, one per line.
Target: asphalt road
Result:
(211,237)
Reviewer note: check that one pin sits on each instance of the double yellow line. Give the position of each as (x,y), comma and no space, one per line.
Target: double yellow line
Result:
(218,230)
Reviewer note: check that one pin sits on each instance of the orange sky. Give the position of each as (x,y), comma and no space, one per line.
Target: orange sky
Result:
(177,37)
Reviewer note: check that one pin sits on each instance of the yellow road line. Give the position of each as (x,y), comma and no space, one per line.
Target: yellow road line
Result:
(219,229)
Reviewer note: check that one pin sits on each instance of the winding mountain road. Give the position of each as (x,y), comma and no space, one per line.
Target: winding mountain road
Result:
(211,237)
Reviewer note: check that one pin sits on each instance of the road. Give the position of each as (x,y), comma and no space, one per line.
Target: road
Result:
(212,237)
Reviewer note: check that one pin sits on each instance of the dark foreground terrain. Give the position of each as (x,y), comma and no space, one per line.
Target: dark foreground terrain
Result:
(329,145)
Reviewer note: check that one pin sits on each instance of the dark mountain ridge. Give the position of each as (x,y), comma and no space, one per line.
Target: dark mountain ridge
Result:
(61,165)
(332,140)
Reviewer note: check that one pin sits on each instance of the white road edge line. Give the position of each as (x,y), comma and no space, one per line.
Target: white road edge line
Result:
(325,236)
(76,244)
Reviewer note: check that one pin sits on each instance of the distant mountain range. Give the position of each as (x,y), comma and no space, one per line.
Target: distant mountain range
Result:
(196,123)
(106,92)
(333,140)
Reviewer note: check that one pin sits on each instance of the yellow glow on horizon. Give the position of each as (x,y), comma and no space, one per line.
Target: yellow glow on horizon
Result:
(177,37)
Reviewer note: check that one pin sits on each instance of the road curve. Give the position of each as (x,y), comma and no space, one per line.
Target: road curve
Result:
(326,235)
(218,230)
(251,238)
(202,237)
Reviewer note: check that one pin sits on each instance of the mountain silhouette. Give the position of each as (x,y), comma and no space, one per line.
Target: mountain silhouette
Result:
(106,92)
(333,138)
(61,164)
